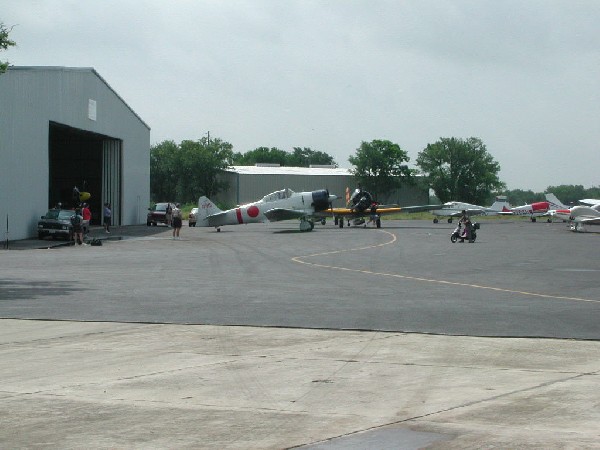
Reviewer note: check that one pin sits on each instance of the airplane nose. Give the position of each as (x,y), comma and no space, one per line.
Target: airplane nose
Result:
(321,199)
(332,197)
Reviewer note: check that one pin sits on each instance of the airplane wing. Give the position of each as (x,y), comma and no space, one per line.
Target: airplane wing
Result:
(588,220)
(420,208)
(214,219)
(381,210)
(589,202)
(277,214)
(350,212)
(470,212)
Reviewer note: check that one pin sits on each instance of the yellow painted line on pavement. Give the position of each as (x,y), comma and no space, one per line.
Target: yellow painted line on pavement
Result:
(393,238)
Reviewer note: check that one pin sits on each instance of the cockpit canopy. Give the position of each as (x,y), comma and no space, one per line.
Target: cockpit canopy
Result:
(278,195)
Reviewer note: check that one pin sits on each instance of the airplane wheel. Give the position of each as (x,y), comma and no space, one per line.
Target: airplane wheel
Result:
(533,219)
(323,221)
(450,220)
(435,221)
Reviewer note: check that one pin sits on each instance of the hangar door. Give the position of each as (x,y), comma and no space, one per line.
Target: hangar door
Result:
(89,161)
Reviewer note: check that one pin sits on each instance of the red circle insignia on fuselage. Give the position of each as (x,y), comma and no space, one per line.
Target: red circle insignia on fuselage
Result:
(253,211)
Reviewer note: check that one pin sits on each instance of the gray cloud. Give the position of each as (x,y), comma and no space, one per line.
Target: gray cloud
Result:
(521,75)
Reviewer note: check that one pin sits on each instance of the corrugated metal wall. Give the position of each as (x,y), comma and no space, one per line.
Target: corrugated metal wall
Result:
(111,178)
(245,188)
(33,97)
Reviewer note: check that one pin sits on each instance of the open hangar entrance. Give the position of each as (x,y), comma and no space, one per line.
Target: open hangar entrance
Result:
(86,160)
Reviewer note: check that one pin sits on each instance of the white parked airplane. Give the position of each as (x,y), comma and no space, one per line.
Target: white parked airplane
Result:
(534,210)
(455,209)
(279,205)
(584,215)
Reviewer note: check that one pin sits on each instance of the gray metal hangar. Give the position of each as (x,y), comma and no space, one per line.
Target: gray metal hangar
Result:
(62,127)
(251,183)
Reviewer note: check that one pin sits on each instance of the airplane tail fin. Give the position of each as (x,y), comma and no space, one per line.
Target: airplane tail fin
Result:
(555,203)
(501,204)
(205,208)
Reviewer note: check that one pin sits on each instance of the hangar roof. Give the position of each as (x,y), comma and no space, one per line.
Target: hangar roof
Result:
(77,69)
(282,170)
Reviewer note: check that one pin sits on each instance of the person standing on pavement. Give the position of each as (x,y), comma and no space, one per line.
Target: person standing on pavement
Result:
(176,218)
(77,223)
(87,217)
(107,217)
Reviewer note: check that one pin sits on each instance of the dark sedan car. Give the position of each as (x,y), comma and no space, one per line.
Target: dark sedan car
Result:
(158,214)
(56,223)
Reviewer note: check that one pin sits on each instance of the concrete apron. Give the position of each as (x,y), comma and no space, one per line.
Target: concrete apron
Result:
(119,385)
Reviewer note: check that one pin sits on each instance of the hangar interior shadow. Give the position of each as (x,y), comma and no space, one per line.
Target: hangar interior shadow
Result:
(75,159)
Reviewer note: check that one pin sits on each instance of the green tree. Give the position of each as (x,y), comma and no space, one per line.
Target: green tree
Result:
(518,197)
(460,169)
(5,43)
(380,167)
(305,157)
(568,193)
(300,157)
(263,155)
(163,171)
(186,171)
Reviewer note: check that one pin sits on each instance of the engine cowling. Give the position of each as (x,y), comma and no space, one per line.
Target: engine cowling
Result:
(320,200)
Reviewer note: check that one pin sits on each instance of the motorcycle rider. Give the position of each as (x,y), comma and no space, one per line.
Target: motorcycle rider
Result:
(466,221)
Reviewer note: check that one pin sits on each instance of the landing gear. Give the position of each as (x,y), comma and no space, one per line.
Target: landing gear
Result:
(450,220)
(306,225)
(435,220)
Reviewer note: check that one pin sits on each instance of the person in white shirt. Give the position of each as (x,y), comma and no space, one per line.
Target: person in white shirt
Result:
(176,220)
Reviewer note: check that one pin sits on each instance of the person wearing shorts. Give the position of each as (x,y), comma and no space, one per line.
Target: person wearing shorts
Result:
(176,221)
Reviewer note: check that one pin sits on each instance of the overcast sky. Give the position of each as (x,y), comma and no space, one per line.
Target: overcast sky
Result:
(523,76)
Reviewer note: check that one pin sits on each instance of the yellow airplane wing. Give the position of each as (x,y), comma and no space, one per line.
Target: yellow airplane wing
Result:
(367,212)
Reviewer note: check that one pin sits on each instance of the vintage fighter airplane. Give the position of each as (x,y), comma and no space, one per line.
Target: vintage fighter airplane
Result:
(361,205)
(279,205)
(455,209)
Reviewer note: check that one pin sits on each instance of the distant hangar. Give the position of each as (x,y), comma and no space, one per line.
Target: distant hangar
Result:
(250,183)
(62,127)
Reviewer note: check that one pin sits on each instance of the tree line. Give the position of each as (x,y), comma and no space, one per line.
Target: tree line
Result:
(454,168)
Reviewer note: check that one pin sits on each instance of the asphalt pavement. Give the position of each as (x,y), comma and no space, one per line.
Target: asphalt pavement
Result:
(264,337)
